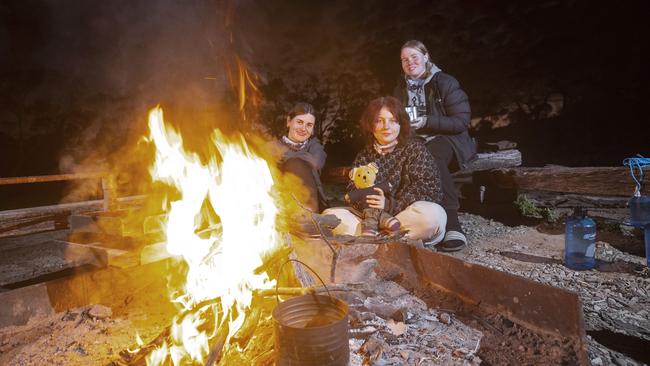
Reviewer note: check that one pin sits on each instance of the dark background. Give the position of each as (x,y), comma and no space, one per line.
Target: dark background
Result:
(77,77)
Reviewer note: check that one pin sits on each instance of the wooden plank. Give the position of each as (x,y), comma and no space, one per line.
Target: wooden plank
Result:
(599,181)
(34,219)
(154,252)
(120,223)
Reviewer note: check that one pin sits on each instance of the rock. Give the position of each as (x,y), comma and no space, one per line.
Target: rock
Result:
(444,318)
(99,311)
(384,310)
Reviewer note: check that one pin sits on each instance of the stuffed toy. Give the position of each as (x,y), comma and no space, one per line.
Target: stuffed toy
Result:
(373,219)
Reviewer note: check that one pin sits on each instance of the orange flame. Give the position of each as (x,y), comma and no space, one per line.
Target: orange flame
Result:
(222,265)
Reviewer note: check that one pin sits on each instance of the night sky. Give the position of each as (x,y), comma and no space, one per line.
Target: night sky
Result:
(78,76)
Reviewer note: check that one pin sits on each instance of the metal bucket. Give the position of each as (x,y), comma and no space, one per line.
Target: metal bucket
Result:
(311,330)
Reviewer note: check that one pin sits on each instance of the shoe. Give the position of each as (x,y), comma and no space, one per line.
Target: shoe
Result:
(453,242)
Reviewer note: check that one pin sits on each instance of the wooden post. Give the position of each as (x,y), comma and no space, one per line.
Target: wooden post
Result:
(109,187)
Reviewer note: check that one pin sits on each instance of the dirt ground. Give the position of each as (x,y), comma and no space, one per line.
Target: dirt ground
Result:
(617,301)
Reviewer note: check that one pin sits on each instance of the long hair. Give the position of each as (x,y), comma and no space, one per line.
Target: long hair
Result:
(395,107)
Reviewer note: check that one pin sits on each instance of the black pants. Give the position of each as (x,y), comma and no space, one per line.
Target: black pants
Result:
(304,171)
(443,153)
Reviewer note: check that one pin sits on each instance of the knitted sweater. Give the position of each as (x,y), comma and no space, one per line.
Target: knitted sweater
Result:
(410,170)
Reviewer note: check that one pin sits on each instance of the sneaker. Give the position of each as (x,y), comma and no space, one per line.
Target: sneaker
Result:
(453,242)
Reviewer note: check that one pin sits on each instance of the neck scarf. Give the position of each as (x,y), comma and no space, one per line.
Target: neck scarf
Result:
(415,88)
(384,149)
(295,146)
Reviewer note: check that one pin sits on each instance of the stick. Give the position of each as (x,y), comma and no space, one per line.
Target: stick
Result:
(216,351)
(320,289)
(247,329)
(335,252)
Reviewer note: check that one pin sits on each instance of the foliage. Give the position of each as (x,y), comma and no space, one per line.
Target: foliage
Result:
(528,208)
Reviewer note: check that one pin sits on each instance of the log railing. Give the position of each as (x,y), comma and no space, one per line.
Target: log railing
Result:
(108,183)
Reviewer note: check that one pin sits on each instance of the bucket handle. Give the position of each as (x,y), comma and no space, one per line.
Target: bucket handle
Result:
(277,296)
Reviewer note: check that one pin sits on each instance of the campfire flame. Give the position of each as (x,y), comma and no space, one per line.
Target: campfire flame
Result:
(221,260)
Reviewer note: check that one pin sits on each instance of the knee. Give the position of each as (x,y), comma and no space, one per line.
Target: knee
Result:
(432,215)
(349,224)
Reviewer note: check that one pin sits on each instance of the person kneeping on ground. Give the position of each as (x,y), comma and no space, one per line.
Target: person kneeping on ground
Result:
(406,166)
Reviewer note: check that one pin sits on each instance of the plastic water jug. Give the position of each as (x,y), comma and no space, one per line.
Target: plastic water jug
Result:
(580,241)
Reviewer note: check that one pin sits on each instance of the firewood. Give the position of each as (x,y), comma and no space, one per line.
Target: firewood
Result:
(216,351)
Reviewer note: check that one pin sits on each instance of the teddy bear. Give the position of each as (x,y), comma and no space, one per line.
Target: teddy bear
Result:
(373,219)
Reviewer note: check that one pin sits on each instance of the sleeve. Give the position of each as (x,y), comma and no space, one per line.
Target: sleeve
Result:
(319,155)
(423,177)
(456,105)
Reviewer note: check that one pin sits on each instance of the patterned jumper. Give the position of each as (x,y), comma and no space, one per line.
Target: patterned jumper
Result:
(410,169)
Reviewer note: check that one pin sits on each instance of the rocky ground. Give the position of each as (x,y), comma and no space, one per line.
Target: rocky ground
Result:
(616,300)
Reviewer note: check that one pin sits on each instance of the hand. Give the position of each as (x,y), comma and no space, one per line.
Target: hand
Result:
(419,122)
(377,200)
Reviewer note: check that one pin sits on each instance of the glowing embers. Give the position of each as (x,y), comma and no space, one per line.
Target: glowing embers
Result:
(219,263)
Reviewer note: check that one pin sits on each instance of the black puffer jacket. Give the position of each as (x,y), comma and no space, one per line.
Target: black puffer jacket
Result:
(449,118)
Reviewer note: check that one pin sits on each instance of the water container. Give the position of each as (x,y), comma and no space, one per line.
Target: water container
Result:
(640,217)
(580,241)
(639,210)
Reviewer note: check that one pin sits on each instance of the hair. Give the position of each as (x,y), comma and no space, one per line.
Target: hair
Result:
(301,108)
(369,117)
(415,44)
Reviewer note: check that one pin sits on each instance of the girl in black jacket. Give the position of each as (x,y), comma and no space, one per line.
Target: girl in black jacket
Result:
(440,114)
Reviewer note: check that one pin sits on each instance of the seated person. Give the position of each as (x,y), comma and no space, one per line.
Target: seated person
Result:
(408,168)
(441,117)
(301,157)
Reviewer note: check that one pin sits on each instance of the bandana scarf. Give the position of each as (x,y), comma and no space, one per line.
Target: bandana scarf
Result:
(384,149)
(295,146)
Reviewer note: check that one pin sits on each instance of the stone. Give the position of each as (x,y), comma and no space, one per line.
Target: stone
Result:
(99,311)
(444,318)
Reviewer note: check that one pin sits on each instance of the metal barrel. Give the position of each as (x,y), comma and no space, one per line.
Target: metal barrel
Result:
(311,330)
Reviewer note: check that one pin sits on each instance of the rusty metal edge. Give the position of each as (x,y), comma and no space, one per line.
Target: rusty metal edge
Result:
(537,306)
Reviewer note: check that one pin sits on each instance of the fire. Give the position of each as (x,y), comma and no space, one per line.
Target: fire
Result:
(221,260)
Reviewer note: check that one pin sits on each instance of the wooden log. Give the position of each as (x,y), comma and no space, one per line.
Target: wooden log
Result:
(53,214)
(493,160)
(482,161)
(570,200)
(598,181)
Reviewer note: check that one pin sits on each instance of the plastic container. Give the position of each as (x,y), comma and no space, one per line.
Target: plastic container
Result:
(580,241)
(639,210)
(640,217)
